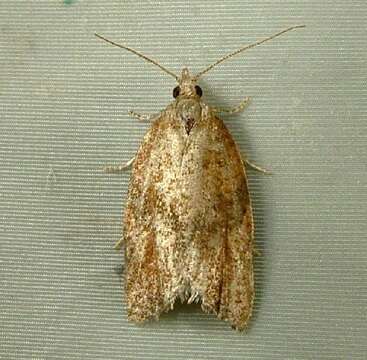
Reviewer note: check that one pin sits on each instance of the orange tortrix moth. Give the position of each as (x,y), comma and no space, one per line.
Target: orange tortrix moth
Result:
(188,229)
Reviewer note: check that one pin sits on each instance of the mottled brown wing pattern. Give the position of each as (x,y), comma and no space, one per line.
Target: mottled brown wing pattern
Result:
(142,280)
(150,226)
(220,267)
(188,223)
(188,226)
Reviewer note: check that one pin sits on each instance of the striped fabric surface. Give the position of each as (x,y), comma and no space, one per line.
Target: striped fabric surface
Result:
(64,98)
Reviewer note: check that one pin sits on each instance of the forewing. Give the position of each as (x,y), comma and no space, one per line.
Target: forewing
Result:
(188,223)
(220,264)
(149,226)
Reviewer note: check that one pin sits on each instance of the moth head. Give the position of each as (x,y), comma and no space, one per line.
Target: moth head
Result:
(187,86)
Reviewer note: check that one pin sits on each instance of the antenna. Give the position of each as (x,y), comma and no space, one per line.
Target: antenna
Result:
(245,48)
(140,55)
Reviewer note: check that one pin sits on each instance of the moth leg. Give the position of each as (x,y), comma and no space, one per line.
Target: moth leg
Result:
(235,109)
(118,244)
(143,117)
(256,167)
(113,169)
(256,252)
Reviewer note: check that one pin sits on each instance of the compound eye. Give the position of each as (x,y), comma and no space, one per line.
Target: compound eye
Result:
(199,92)
(176,91)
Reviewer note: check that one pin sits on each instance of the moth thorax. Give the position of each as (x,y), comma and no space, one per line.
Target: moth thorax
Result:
(189,112)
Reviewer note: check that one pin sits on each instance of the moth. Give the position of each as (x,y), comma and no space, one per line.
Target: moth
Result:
(188,228)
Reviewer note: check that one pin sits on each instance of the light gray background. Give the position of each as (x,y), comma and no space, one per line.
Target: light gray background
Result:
(64,97)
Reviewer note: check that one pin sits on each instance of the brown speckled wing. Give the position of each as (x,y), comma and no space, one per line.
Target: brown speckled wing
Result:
(220,266)
(188,223)
(151,222)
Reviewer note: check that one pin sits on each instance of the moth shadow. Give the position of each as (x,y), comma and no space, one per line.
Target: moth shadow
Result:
(257,188)
(190,316)
(180,309)
(119,271)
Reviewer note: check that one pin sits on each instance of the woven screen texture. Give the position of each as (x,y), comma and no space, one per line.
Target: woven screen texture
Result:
(64,101)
